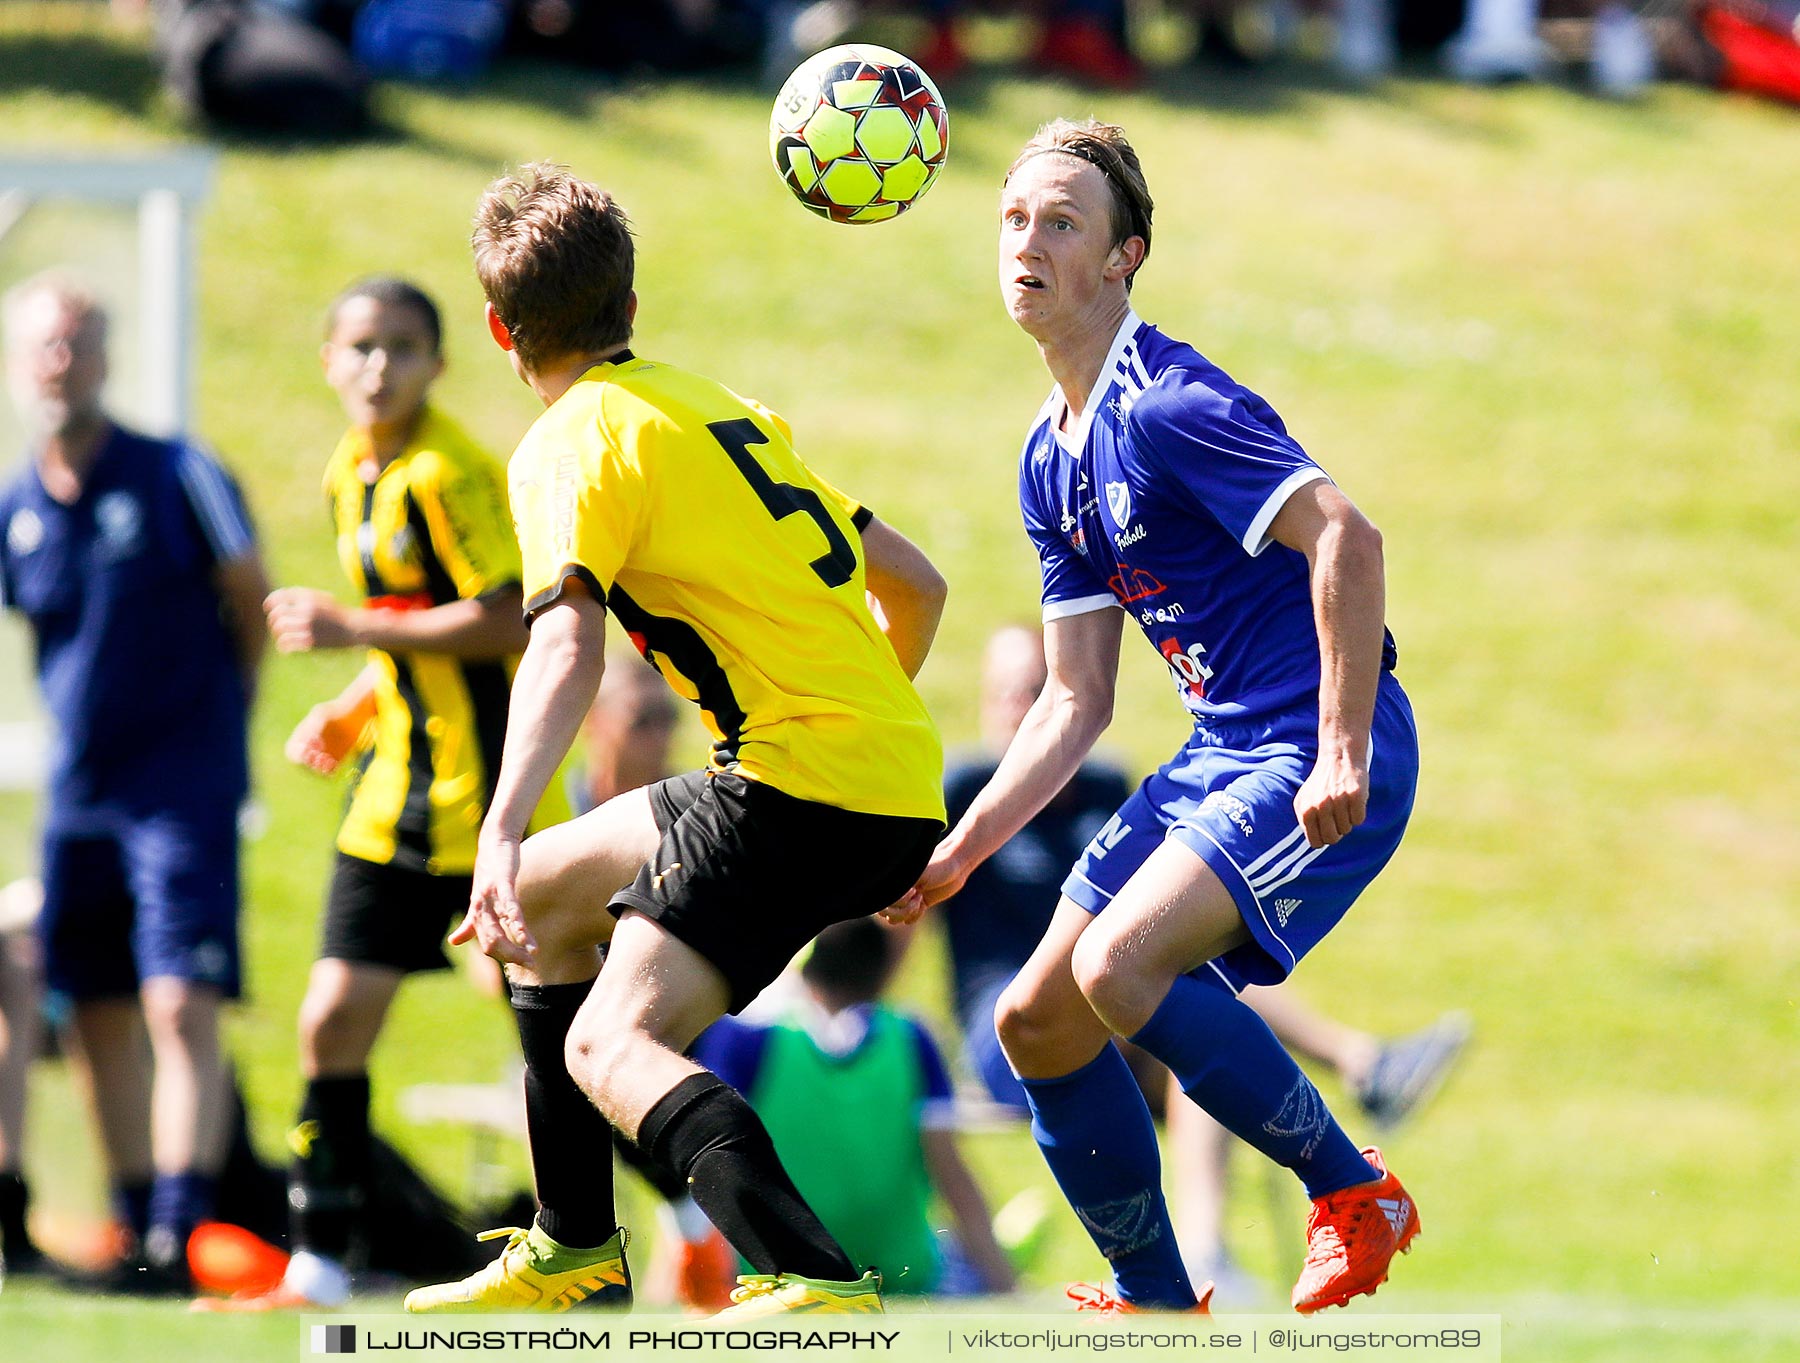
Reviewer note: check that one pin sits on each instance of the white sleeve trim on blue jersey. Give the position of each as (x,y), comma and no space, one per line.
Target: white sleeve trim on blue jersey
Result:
(217,509)
(1078,605)
(1256,538)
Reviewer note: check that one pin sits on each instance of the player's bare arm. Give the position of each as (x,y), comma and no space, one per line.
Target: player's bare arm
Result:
(302,619)
(956,1185)
(1349,596)
(242,584)
(552,690)
(1062,726)
(905,592)
(332,729)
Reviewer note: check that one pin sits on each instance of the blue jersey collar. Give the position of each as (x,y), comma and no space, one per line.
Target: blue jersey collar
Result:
(1075,441)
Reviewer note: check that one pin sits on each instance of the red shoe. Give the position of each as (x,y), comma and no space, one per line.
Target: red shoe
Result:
(232,1261)
(1351,1237)
(1088,1297)
(944,58)
(1082,48)
(706,1273)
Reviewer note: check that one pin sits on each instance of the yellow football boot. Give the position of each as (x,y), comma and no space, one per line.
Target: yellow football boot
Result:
(771,1294)
(534,1273)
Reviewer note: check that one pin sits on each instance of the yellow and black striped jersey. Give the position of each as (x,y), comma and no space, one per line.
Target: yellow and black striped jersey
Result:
(431,529)
(738,573)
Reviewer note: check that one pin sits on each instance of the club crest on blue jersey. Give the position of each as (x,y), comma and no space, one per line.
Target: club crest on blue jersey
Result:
(1118,501)
(25,532)
(120,522)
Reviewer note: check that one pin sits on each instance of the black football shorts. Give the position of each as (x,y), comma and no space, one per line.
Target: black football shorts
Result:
(391,916)
(747,875)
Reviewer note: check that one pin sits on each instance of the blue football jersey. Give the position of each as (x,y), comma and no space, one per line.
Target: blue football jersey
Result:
(1158,499)
(135,664)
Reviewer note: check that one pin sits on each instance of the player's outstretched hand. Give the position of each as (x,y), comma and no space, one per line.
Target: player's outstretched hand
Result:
(1333,800)
(495,921)
(324,739)
(302,619)
(942,877)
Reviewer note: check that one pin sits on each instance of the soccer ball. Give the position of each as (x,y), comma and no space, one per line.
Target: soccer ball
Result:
(859,133)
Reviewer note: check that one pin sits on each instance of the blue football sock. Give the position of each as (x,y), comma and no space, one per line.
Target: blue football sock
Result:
(181,1201)
(131,1205)
(1229,1062)
(1097,1137)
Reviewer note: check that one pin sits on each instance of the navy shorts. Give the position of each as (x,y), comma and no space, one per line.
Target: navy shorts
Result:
(1228,795)
(128,898)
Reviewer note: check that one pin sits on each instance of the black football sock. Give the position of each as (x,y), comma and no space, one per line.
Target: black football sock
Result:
(571,1143)
(329,1180)
(670,1186)
(15,1197)
(703,1130)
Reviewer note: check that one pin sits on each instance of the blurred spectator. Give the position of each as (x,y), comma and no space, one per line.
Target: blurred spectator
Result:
(439,40)
(993,925)
(626,737)
(663,35)
(858,1103)
(1369,34)
(1749,45)
(134,563)
(1623,54)
(419,513)
(1365,39)
(255,66)
(20,1018)
(1498,42)
(1085,40)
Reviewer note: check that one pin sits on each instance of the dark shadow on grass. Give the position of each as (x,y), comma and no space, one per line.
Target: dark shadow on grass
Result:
(81,64)
(127,78)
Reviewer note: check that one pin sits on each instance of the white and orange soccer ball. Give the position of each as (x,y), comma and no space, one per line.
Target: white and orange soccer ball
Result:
(858,133)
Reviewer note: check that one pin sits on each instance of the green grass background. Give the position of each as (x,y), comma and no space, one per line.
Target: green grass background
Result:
(1549,344)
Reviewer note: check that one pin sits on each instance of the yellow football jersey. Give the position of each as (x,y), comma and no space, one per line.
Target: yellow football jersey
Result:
(431,529)
(738,573)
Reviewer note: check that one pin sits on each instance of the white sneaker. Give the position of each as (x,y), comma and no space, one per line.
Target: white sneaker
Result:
(1365,40)
(1498,42)
(1624,54)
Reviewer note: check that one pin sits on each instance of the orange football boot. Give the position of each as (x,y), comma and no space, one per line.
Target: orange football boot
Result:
(1088,1297)
(1352,1236)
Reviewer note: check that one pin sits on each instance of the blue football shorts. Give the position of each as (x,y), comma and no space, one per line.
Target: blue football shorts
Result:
(1228,795)
(129,898)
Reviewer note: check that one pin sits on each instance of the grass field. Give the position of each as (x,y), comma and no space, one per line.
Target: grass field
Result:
(1548,343)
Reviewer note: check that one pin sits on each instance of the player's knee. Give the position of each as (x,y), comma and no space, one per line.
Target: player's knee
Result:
(1028,1028)
(181,1014)
(330,1025)
(595,1056)
(1106,981)
(1091,963)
